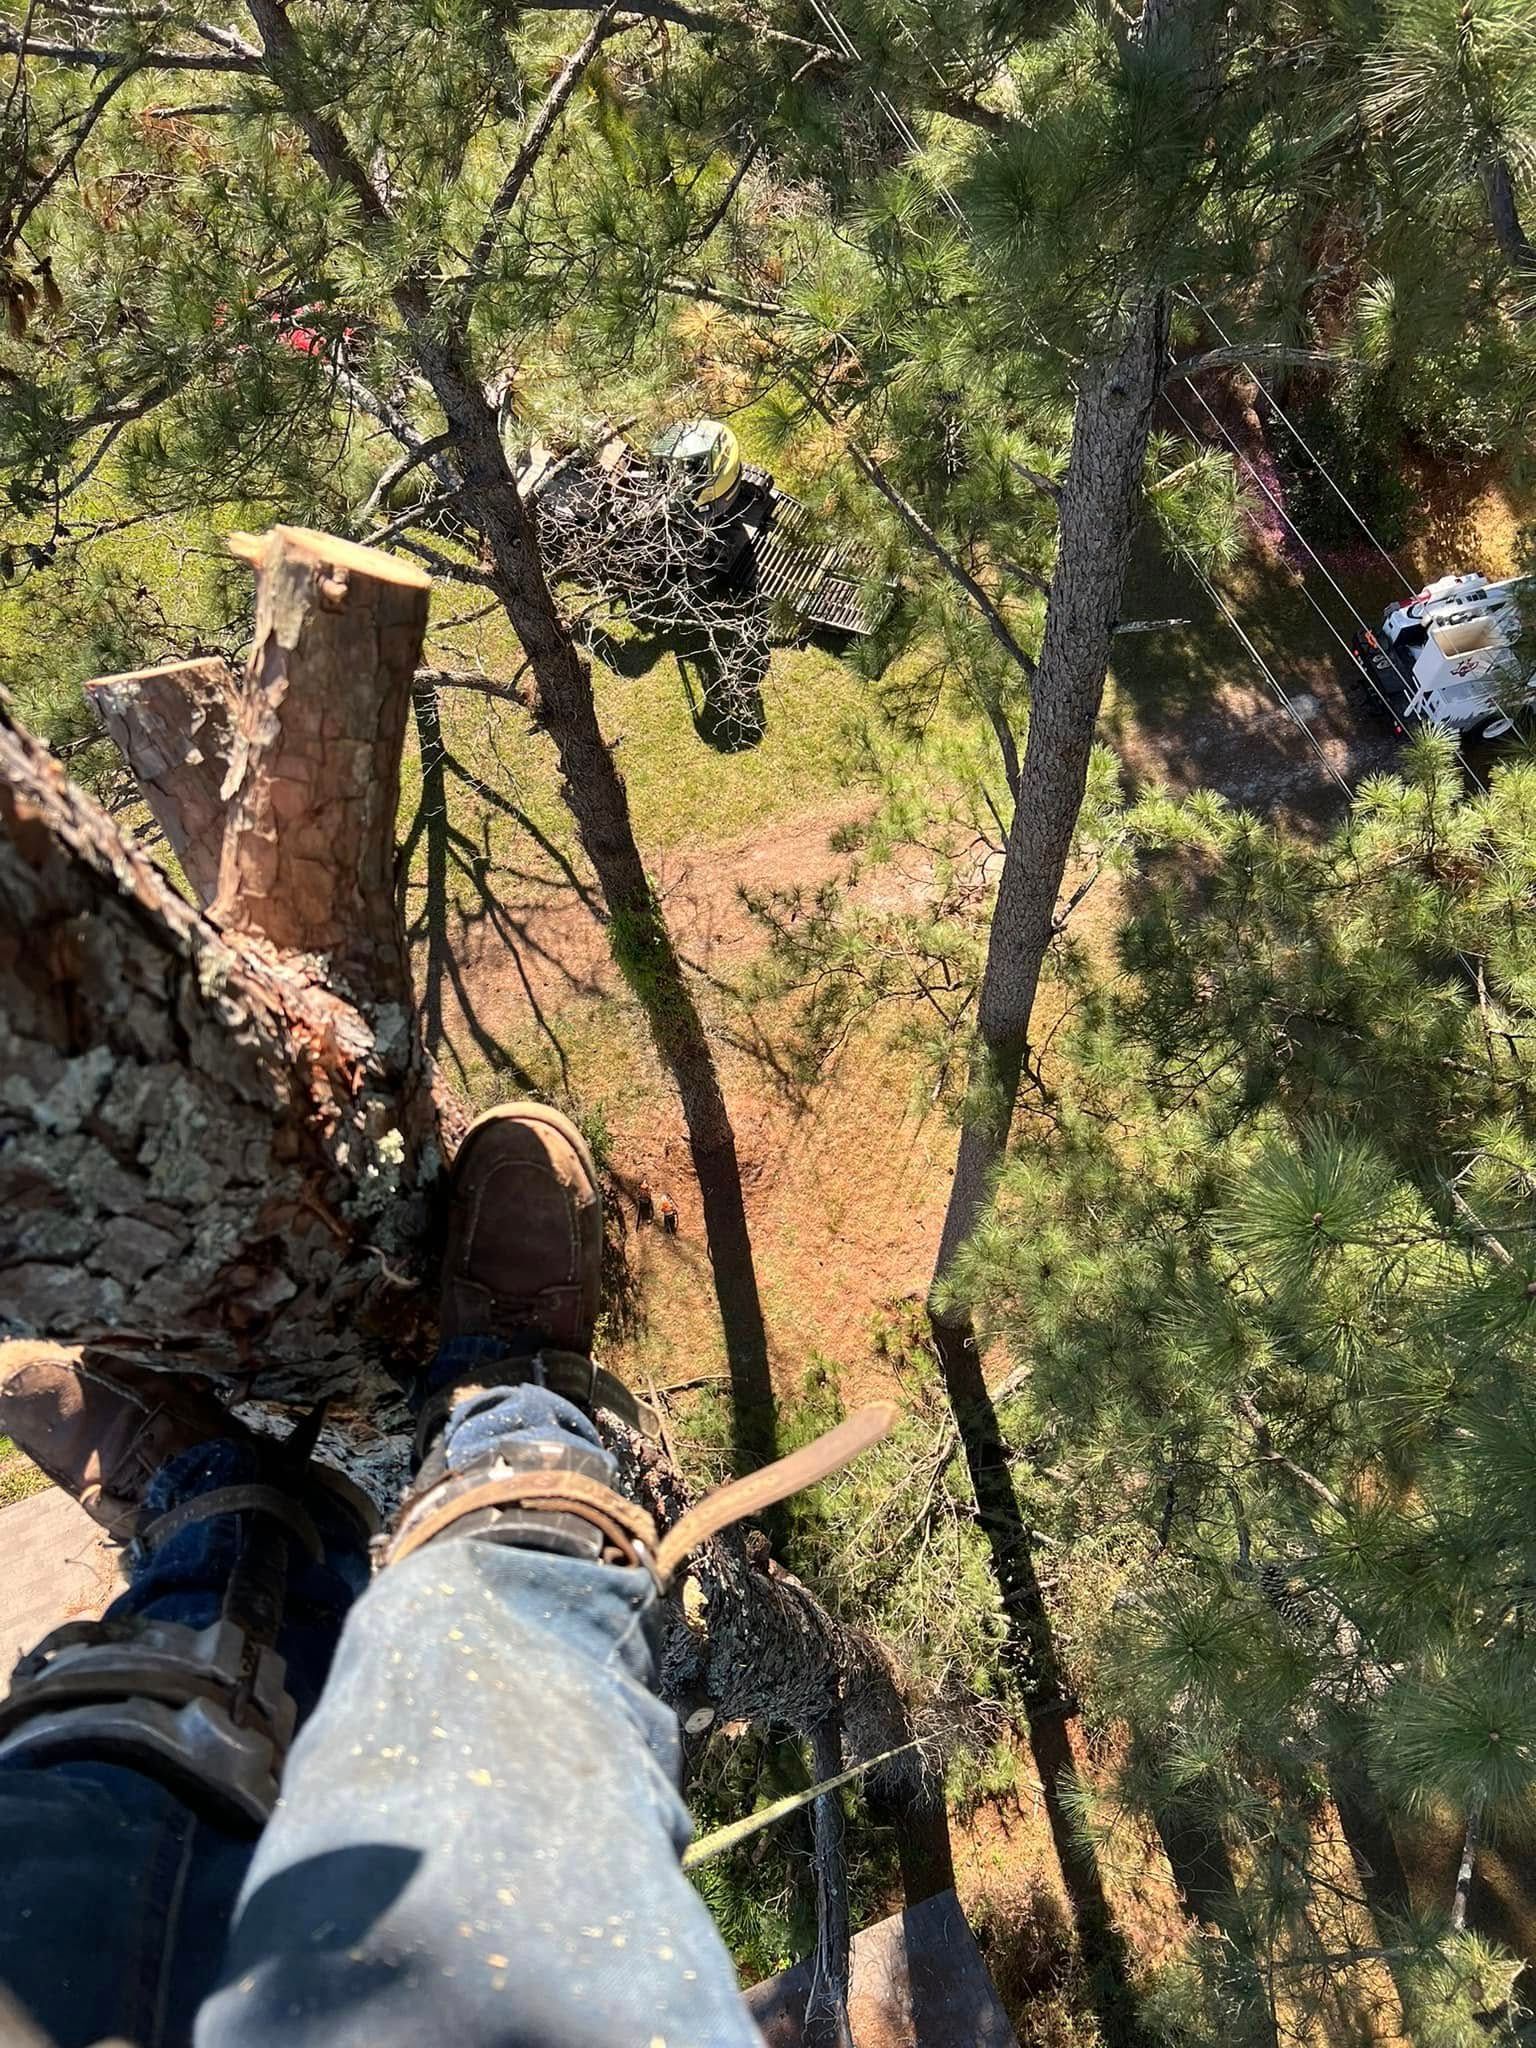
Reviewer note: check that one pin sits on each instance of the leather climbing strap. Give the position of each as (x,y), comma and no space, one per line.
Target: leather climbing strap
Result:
(808,1466)
(627,1527)
(235,1500)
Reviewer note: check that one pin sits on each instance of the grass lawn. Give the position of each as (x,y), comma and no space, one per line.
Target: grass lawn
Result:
(19,1477)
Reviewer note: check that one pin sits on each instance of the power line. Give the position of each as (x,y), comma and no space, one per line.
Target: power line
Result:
(1316,460)
(1264,668)
(1370,681)
(910,141)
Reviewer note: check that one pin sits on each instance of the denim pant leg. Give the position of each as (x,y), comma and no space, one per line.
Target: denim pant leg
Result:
(480,1828)
(115,1899)
(114,1904)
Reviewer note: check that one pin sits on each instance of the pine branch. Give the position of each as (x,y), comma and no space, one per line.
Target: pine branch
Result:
(17,44)
(532,148)
(480,686)
(1002,633)
(1266,1448)
(733,302)
(414,515)
(65,164)
(960,106)
(396,472)
(1484,1235)
(697,20)
(1036,480)
(1470,1843)
(1504,213)
(1274,353)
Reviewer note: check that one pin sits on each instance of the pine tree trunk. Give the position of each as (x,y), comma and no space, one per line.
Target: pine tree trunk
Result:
(592,785)
(214,1138)
(642,946)
(1504,213)
(1100,499)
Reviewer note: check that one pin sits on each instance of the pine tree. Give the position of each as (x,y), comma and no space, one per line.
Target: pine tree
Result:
(217,300)
(1267,1263)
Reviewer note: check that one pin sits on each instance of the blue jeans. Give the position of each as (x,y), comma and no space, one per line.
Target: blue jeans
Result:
(478,1838)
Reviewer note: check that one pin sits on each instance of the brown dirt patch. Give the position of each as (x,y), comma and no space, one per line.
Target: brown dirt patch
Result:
(845,1182)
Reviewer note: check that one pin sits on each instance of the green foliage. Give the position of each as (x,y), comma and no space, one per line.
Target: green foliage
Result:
(891,1544)
(19,1477)
(1262,1262)
(1360,445)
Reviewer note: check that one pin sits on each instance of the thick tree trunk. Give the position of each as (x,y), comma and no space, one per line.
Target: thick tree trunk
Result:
(209,1151)
(171,726)
(593,787)
(1100,498)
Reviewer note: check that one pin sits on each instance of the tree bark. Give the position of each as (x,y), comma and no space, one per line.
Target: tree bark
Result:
(211,1155)
(314,776)
(172,727)
(592,785)
(1100,497)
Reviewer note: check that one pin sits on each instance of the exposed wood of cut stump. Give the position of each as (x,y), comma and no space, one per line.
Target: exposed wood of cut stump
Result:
(314,775)
(172,726)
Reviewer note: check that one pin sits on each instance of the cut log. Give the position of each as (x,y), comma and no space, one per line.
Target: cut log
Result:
(172,727)
(213,1153)
(314,777)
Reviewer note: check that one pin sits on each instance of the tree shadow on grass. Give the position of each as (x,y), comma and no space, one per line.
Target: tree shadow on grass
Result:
(450,852)
(722,672)
(1192,708)
(724,680)
(447,851)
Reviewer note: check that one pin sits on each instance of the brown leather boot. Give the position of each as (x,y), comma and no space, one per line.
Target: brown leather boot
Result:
(101,1428)
(525,1231)
(98,1427)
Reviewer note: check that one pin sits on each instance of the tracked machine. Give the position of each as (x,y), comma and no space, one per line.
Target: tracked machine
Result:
(690,507)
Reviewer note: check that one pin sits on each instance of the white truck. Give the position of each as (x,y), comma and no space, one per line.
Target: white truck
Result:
(1447,657)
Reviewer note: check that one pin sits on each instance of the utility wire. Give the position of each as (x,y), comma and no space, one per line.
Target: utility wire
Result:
(1263,667)
(910,141)
(1316,460)
(1370,681)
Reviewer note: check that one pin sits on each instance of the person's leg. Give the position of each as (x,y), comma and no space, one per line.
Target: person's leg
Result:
(115,1893)
(480,1829)
(479,1833)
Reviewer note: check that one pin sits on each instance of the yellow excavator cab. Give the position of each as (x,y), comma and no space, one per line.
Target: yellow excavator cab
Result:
(707,453)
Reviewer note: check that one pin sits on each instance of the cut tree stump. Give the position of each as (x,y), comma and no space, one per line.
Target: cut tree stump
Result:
(314,775)
(217,1132)
(171,725)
